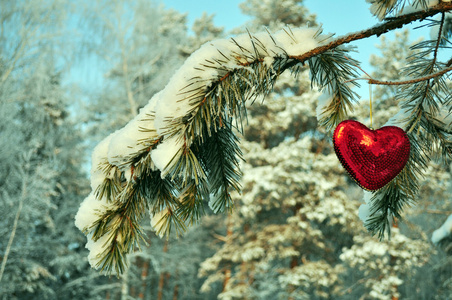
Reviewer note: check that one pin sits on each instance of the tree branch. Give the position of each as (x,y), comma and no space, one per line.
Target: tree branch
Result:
(438,39)
(410,81)
(389,25)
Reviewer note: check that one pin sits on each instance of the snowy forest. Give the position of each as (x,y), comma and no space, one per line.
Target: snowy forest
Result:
(282,219)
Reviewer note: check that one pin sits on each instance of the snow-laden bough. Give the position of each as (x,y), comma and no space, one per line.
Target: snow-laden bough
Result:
(182,147)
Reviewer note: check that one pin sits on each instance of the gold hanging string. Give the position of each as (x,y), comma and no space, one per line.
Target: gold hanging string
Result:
(370,81)
(370,104)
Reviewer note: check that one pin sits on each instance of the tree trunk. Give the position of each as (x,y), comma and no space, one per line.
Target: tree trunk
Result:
(125,284)
(294,262)
(130,98)
(227,277)
(162,276)
(176,292)
(227,271)
(23,195)
(392,261)
(144,276)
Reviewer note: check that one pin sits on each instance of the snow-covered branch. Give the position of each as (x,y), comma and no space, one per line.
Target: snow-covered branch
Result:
(181,148)
(442,232)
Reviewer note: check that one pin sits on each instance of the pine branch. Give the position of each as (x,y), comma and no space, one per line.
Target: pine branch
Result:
(389,202)
(342,95)
(221,155)
(116,233)
(191,206)
(197,131)
(332,70)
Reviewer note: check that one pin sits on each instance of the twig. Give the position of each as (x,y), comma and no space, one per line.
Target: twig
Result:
(449,63)
(411,81)
(438,40)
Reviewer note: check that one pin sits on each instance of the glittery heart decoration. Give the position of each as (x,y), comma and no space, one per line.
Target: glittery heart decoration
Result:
(372,157)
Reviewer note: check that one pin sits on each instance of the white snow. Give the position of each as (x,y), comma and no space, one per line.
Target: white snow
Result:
(323,102)
(98,158)
(379,8)
(128,173)
(130,139)
(364,209)
(416,6)
(159,222)
(268,61)
(442,232)
(166,151)
(90,210)
(364,212)
(96,249)
(301,42)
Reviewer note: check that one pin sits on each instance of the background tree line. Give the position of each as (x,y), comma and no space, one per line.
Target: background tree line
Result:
(295,232)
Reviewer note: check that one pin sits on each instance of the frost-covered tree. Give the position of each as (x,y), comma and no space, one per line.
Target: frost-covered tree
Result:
(442,237)
(182,149)
(277,14)
(383,266)
(204,30)
(41,180)
(138,44)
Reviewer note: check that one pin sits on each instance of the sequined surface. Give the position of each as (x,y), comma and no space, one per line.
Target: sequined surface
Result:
(372,157)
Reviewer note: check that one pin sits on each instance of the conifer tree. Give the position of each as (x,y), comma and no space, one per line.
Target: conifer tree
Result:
(182,149)
(41,178)
(141,46)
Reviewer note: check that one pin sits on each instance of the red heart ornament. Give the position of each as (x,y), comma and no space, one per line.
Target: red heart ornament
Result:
(371,157)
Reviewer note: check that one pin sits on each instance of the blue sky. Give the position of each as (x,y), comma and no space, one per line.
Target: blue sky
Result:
(332,13)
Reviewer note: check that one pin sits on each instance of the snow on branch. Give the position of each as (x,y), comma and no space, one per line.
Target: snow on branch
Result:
(443,231)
